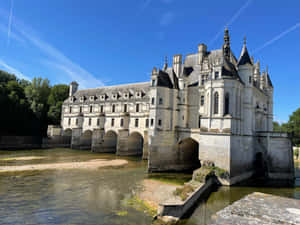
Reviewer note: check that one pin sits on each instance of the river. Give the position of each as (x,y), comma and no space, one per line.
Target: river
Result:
(102,196)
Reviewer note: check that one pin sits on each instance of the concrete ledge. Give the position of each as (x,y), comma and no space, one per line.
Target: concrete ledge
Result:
(175,211)
(281,176)
(260,209)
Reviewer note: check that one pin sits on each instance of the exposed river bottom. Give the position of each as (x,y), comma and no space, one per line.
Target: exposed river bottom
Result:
(106,195)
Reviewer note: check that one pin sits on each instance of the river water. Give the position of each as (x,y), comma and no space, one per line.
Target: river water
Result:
(102,196)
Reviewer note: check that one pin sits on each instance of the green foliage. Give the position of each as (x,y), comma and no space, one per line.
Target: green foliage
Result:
(184,192)
(28,107)
(296,153)
(56,98)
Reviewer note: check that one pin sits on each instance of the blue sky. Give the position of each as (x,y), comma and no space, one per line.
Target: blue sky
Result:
(99,42)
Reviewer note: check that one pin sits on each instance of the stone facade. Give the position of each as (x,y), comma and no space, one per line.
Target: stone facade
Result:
(210,106)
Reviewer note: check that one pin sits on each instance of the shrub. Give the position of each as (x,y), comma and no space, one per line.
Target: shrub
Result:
(183,192)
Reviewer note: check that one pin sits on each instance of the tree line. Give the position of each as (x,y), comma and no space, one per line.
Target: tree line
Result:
(292,127)
(27,107)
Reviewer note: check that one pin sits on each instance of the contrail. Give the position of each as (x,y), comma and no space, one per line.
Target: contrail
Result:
(231,21)
(277,37)
(10,21)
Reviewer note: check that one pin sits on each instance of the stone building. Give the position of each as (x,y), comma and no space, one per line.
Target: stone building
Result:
(208,107)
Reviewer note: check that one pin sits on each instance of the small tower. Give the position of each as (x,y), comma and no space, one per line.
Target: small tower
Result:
(257,74)
(154,75)
(245,65)
(226,45)
(73,88)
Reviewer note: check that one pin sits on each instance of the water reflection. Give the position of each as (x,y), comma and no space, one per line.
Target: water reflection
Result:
(95,197)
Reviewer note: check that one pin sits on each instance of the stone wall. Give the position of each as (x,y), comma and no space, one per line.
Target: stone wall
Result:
(57,142)
(20,142)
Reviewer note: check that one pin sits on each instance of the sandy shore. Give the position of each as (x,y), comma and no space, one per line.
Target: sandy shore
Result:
(92,164)
(155,192)
(25,158)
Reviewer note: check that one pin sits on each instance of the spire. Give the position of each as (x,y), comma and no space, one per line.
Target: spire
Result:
(166,64)
(252,59)
(244,57)
(226,45)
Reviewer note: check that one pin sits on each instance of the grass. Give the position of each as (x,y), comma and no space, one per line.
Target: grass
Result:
(139,205)
(206,172)
(183,192)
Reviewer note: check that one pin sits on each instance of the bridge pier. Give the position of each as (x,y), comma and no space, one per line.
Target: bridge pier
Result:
(97,140)
(75,141)
(122,143)
(145,146)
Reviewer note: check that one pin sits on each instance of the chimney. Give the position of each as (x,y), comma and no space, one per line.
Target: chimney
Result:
(202,49)
(73,88)
(177,61)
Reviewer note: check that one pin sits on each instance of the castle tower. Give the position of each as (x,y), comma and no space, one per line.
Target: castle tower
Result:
(73,88)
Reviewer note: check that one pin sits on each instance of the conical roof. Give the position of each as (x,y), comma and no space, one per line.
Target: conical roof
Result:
(244,57)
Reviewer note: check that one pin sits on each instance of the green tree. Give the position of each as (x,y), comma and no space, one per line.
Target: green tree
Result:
(294,126)
(58,94)
(276,126)
(37,94)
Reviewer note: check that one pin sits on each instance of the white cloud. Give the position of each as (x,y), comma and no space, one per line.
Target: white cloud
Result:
(277,37)
(167,19)
(13,70)
(58,59)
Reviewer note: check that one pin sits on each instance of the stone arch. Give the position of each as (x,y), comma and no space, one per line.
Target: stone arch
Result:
(188,154)
(135,144)
(67,132)
(86,139)
(110,141)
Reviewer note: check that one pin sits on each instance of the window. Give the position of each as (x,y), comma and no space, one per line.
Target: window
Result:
(147,123)
(202,100)
(90,121)
(98,122)
(69,122)
(153,83)
(125,107)
(91,109)
(70,109)
(136,122)
(112,122)
(226,104)
(121,122)
(113,108)
(137,107)
(153,101)
(202,79)
(199,121)
(101,108)
(250,79)
(152,122)
(160,101)
(80,109)
(182,117)
(159,122)
(217,75)
(216,103)
(76,122)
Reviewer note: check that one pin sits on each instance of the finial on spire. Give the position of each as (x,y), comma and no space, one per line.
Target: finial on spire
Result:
(166,63)
(245,40)
(267,69)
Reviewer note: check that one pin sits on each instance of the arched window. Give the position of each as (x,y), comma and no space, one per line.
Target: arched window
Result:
(216,103)
(113,108)
(226,104)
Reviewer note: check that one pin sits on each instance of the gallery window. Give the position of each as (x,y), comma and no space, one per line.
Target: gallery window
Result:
(136,122)
(125,107)
(112,122)
(137,107)
(90,121)
(202,100)
(113,108)
(121,122)
(91,109)
(147,123)
(216,103)
(226,104)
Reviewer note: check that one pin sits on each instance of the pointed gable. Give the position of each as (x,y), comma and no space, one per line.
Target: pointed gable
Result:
(244,57)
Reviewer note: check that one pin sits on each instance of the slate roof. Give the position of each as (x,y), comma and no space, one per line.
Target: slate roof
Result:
(163,80)
(244,57)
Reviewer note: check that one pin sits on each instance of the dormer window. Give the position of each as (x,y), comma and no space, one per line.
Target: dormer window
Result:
(102,97)
(92,98)
(82,99)
(126,95)
(72,99)
(153,83)
(138,94)
(217,75)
